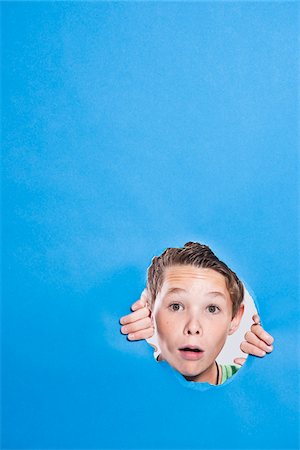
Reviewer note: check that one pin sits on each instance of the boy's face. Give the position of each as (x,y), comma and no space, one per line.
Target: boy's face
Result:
(193,316)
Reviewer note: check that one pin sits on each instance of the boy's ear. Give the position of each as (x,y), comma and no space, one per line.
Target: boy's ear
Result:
(236,320)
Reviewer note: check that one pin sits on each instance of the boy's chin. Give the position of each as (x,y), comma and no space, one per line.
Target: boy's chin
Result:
(188,374)
(192,376)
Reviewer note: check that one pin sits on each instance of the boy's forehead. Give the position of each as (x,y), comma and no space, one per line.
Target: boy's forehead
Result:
(187,276)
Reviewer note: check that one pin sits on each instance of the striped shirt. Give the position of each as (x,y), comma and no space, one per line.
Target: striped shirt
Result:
(227,371)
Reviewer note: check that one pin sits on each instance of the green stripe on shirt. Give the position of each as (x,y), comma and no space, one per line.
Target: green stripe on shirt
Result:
(228,371)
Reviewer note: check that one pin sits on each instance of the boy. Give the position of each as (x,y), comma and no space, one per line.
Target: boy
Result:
(196,302)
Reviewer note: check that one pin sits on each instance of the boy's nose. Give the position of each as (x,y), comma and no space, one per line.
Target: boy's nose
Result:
(193,327)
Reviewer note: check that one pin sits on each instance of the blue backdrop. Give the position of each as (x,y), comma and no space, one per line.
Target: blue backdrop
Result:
(129,127)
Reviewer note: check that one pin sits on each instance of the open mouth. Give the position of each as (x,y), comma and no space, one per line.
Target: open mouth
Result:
(191,353)
(190,349)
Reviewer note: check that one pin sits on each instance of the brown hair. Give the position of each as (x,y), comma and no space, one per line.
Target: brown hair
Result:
(198,255)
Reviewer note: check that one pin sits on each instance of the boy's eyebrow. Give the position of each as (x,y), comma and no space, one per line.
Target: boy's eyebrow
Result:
(175,291)
(217,294)
(181,290)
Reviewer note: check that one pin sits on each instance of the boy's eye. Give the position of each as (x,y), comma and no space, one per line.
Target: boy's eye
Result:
(175,306)
(213,309)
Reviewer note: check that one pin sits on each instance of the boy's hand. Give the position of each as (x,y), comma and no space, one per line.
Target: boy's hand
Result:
(258,341)
(138,324)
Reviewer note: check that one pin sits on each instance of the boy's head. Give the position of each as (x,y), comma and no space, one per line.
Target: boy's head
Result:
(196,301)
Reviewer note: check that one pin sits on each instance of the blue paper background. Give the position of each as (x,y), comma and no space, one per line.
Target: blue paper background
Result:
(129,127)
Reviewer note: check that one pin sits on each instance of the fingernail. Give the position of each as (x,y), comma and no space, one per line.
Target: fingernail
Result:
(124,330)
(130,336)
(262,353)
